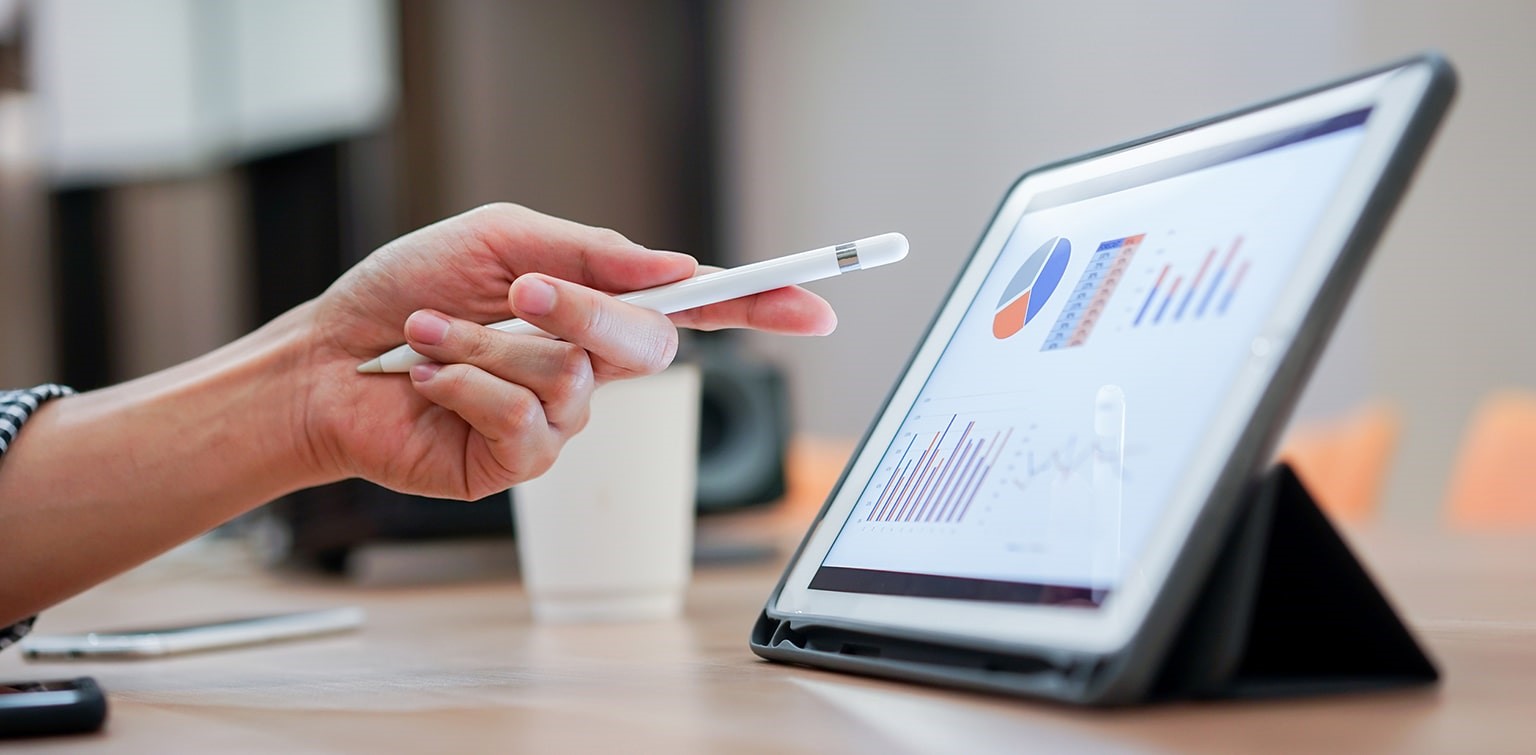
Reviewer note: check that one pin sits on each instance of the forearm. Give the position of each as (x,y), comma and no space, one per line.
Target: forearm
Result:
(100,482)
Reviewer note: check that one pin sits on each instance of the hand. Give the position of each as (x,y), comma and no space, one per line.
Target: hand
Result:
(494,409)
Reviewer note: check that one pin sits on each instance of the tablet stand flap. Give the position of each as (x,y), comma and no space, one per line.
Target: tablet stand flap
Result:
(1288,610)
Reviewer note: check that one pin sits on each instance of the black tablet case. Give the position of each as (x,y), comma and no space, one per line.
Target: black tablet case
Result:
(1286,610)
(1282,608)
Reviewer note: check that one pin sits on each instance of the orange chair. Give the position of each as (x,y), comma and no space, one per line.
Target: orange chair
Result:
(1344,462)
(813,466)
(1493,485)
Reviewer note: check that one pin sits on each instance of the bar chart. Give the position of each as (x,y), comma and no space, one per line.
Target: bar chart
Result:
(938,474)
(1086,304)
(1172,300)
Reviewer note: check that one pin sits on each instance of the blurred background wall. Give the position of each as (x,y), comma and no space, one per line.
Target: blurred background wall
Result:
(855,117)
(195,166)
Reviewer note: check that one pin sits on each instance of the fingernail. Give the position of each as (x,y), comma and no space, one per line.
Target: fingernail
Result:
(533,296)
(425,327)
(831,323)
(675,255)
(421,373)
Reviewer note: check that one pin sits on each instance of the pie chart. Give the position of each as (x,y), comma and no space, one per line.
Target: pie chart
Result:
(1031,287)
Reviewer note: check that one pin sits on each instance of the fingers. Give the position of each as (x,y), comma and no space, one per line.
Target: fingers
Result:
(516,241)
(558,375)
(600,258)
(508,418)
(623,340)
(791,311)
(629,341)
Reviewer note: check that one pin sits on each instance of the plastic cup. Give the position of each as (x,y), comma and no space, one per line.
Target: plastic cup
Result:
(607,533)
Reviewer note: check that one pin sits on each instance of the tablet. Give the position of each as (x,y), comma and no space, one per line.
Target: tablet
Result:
(1061,457)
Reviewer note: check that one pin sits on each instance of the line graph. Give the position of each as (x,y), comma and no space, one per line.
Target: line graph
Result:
(1073,457)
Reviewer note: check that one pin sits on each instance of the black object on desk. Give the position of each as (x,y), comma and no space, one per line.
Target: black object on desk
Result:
(1286,609)
(63,706)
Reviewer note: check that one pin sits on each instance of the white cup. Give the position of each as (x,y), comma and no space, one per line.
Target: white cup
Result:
(607,533)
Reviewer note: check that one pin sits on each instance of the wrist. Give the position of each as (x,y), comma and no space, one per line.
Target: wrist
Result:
(279,366)
(253,394)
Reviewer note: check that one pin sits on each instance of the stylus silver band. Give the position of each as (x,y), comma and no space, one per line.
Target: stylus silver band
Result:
(847,257)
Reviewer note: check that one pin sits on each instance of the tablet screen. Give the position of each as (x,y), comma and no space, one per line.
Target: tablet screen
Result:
(1046,442)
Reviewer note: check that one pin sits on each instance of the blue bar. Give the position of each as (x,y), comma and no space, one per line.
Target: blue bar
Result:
(1160,310)
(1144,305)
(1215,284)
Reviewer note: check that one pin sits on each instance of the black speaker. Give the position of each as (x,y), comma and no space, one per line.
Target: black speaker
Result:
(743,428)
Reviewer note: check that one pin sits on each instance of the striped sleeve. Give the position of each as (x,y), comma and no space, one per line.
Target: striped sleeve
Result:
(15,408)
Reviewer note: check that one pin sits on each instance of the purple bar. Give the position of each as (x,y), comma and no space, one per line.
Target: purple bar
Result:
(944,476)
(974,490)
(928,470)
(896,474)
(997,451)
(921,500)
(953,498)
(962,460)
(917,471)
(958,494)
(886,495)
(885,492)
(922,482)
(907,471)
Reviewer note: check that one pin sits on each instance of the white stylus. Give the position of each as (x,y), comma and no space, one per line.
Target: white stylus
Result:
(711,288)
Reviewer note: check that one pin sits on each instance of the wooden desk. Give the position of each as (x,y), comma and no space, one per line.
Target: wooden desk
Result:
(463,667)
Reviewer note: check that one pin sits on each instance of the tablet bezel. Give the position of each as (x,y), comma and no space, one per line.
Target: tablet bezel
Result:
(1237,441)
